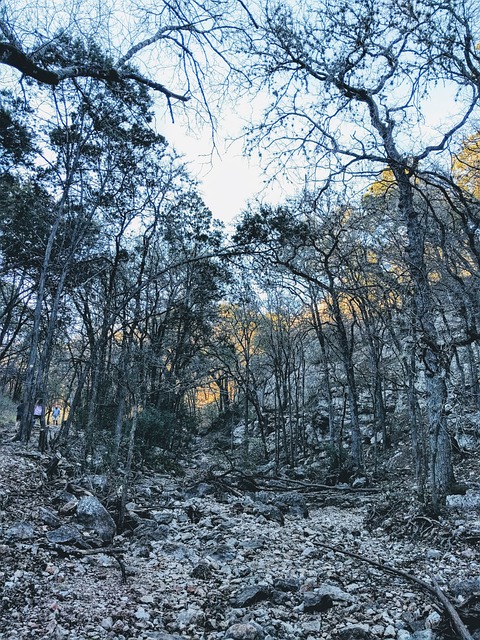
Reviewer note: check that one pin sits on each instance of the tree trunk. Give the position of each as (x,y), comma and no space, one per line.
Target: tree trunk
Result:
(440,472)
(356,448)
(332,421)
(419,445)
(128,469)
(31,379)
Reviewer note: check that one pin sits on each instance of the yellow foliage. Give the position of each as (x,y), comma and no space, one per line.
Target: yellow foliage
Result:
(206,396)
(382,184)
(466,165)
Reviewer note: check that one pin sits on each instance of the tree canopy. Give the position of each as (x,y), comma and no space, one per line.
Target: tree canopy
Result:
(328,318)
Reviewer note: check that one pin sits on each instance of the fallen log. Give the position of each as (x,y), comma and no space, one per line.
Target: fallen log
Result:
(433,589)
(266,483)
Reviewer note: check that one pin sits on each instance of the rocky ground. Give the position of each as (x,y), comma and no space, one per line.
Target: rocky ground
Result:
(202,559)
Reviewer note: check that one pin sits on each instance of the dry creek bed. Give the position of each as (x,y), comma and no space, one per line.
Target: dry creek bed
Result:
(230,570)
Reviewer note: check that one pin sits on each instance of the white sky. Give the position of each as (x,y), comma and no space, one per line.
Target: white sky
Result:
(229,179)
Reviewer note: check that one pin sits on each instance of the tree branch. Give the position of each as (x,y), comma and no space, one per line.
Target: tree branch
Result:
(434,590)
(12,56)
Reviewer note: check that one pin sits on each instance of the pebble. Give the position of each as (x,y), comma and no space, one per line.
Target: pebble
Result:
(107,623)
(162,594)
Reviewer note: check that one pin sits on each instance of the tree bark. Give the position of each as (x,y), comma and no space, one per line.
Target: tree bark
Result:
(440,469)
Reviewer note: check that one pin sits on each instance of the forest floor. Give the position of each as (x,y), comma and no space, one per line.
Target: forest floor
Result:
(206,564)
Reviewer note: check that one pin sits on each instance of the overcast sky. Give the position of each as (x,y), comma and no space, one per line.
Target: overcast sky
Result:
(229,179)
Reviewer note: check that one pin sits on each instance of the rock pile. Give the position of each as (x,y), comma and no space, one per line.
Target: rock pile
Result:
(195,564)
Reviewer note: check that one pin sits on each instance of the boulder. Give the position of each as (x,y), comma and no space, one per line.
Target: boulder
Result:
(20,531)
(151,530)
(355,632)
(316,602)
(465,588)
(288,585)
(251,595)
(245,631)
(293,503)
(92,514)
(269,512)
(65,534)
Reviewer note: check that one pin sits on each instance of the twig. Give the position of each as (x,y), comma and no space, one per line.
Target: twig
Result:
(462,630)
(92,552)
(110,552)
(99,551)
(122,568)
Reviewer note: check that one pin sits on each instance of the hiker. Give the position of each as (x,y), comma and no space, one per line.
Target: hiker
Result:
(38,412)
(55,415)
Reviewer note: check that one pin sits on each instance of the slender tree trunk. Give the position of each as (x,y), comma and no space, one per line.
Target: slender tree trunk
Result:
(379,407)
(440,472)
(277,434)
(30,391)
(43,435)
(356,448)
(280,412)
(441,467)
(128,468)
(473,376)
(66,424)
(120,401)
(419,445)
(291,422)
(32,374)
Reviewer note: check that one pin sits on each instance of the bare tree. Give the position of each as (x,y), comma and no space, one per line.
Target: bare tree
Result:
(350,83)
(178,49)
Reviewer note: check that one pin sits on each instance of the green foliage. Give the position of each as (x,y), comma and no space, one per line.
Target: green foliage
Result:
(156,428)
(270,225)
(26,215)
(15,139)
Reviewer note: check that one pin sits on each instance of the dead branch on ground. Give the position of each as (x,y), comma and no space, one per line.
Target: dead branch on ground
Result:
(434,590)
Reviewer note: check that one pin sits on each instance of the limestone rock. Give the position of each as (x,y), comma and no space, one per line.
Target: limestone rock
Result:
(93,515)
(65,534)
(245,631)
(20,531)
(316,602)
(251,595)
